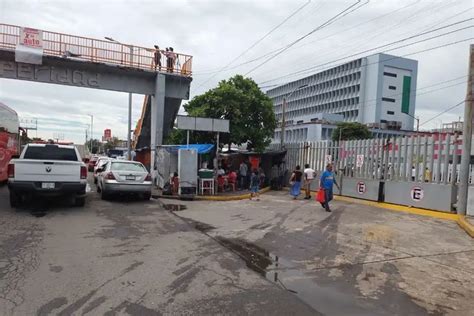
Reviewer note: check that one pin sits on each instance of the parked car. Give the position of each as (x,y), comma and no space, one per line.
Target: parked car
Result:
(100,163)
(92,162)
(47,170)
(123,177)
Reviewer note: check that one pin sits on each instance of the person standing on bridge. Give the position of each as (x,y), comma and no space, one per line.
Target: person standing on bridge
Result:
(157,58)
(170,59)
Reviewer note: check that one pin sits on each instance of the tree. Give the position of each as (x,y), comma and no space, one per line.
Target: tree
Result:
(111,143)
(240,101)
(96,145)
(351,131)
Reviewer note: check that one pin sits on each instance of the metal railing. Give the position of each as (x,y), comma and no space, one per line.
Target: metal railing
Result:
(424,158)
(100,51)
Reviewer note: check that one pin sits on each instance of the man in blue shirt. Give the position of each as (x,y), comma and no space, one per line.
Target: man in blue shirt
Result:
(326,183)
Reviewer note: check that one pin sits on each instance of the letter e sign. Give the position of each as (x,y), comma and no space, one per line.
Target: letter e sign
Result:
(417,194)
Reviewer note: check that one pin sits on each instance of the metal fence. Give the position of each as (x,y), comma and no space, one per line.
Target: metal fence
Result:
(96,50)
(424,158)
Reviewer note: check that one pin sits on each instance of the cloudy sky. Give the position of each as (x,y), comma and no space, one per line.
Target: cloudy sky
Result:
(216,32)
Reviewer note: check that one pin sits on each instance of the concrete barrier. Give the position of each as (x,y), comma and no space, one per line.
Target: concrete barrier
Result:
(361,188)
(432,196)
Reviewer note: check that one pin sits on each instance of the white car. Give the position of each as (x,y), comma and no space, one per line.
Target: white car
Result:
(123,177)
(99,164)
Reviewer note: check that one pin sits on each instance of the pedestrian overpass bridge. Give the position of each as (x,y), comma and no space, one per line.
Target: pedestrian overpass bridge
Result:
(101,64)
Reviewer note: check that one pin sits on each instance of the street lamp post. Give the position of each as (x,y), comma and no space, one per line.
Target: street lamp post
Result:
(129,140)
(283,115)
(92,130)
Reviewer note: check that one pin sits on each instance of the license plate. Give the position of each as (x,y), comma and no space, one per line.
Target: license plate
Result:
(47,185)
(129,177)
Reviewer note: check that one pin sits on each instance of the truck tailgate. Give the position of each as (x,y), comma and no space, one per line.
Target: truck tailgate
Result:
(47,170)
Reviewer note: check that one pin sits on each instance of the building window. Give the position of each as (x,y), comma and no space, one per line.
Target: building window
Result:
(392,87)
(388,99)
(390,113)
(383,121)
(390,74)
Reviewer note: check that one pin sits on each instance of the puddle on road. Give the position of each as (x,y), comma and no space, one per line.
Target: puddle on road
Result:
(174,207)
(324,299)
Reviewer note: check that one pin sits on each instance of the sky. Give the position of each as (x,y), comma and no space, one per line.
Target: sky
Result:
(216,32)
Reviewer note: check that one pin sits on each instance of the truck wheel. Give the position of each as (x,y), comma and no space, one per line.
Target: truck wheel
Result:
(15,199)
(146,196)
(80,201)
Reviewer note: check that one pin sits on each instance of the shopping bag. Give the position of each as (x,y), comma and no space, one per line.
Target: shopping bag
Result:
(321,197)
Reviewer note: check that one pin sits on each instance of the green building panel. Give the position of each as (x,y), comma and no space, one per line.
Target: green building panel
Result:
(406,94)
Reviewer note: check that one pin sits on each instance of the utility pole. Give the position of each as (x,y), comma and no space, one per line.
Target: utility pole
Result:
(283,124)
(129,139)
(467,139)
(283,115)
(92,130)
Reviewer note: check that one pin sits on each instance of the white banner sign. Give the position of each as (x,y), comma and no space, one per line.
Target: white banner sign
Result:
(360,161)
(328,159)
(31,37)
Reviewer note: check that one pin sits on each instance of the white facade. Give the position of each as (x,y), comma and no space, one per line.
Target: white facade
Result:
(378,90)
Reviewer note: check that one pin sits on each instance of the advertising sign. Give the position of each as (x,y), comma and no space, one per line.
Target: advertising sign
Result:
(31,37)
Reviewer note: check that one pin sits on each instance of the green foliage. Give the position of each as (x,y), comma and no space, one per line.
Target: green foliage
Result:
(111,144)
(239,100)
(96,145)
(351,131)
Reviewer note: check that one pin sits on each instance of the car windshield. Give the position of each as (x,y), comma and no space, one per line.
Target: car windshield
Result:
(50,152)
(125,166)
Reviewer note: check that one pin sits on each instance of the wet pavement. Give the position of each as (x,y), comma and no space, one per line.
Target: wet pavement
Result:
(270,257)
(357,260)
(125,257)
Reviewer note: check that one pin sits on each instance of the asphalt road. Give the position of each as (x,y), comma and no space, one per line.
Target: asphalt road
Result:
(357,260)
(124,257)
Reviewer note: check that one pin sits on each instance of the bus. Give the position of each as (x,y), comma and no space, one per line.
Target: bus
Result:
(9,139)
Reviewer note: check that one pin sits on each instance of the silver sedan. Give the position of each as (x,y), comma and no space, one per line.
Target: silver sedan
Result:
(123,177)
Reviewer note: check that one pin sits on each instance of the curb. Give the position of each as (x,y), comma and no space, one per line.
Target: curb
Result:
(459,219)
(229,197)
(464,224)
(400,208)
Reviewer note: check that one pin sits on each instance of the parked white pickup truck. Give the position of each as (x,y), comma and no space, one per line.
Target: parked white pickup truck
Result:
(47,170)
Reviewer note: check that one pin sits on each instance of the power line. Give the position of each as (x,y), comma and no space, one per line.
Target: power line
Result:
(257,42)
(363,40)
(310,69)
(445,111)
(211,71)
(366,102)
(327,23)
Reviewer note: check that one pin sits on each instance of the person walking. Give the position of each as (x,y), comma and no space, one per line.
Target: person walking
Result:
(327,181)
(309,175)
(254,185)
(243,169)
(295,182)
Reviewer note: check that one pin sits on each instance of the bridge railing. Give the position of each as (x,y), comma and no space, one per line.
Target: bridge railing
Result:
(101,51)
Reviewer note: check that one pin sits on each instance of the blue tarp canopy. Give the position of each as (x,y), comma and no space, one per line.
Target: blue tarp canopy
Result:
(201,148)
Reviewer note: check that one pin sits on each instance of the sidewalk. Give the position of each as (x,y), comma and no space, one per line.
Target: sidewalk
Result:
(220,196)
